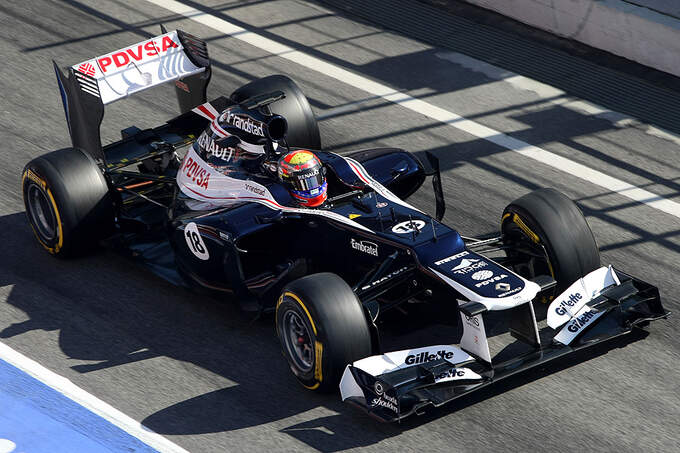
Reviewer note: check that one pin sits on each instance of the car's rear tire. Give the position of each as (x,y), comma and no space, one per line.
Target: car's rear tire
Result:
(303,130)
(322,328)
(546,222)
(67,201)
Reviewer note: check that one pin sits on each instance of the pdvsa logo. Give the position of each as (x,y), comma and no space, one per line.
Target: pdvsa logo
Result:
(491,280)
(137,53)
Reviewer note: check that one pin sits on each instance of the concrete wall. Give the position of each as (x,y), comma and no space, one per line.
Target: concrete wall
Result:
(630,31)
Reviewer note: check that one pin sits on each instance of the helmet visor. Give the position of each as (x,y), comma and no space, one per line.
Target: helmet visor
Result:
(308,182)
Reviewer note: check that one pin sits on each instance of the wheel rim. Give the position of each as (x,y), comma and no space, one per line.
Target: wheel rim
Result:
(41,213)
(536,262)
(298,341)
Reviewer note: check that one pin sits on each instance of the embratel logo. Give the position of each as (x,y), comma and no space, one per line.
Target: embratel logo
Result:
(365,247)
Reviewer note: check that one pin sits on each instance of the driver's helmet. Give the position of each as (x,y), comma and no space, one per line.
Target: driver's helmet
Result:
(304,175)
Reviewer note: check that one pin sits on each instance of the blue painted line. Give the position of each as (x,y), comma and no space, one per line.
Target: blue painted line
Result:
(39,419)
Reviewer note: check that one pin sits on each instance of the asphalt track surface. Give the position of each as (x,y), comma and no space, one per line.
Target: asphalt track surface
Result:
(193,369)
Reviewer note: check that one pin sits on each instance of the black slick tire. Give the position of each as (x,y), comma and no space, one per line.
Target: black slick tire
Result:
(331,322)
(549,220)
(67,201)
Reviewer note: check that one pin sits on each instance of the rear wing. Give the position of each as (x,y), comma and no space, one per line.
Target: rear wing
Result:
(90,85)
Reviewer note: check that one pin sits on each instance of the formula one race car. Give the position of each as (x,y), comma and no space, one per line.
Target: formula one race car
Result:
(207,201)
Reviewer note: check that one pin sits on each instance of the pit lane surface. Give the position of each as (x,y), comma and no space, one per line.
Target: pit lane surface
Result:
(209,380)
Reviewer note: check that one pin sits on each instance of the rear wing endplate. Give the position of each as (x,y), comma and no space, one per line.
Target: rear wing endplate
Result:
(90,85)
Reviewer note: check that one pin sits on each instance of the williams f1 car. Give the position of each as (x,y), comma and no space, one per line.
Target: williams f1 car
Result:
(198,200)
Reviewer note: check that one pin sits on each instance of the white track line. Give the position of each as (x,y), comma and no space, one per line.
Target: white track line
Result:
(88,401)
(424,108)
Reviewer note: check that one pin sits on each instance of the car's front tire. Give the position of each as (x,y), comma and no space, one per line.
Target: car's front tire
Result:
(547,223)
(322,328)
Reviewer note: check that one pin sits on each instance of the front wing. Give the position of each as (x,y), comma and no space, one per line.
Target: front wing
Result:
(392,386)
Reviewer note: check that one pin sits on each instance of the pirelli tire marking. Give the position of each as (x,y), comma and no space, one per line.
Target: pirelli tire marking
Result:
(318,346)
(40,182)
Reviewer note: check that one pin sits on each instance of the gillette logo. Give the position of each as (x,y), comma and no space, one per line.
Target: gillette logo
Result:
(425,357)
(577,323)
(570,302)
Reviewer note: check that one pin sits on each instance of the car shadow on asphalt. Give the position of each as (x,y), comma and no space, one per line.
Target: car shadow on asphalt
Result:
(109,313)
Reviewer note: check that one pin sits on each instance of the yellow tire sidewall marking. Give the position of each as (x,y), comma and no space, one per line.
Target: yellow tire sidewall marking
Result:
(318,346)
(41,182)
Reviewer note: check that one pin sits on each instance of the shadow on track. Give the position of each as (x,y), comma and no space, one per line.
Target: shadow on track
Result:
(110,313)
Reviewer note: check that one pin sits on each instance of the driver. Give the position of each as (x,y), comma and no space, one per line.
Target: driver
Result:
(304,176)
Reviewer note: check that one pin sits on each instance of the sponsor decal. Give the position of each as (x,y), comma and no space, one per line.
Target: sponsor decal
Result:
(502,286)
(381,204)
(474,335)
(579,322)
(205,142)
(469,265)
(425,357)
(385,278)
(254,189)
(87,68)
(244,123)
(378,388)
(367,247)
(573,298)
(495,278)
(182,86)
(456,374)
(482,275)
(473,321)
(408,227)
(195,242)
(386,401)
(451,258)
(512,291)
(196,172)
(136,53)
(351,216)
(36,179)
